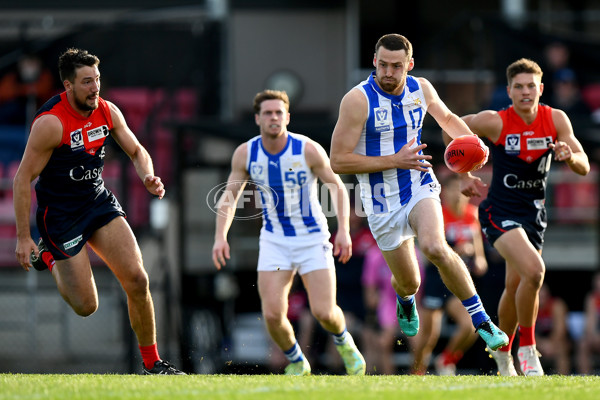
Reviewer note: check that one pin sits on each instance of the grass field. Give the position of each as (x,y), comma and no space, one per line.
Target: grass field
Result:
(317,387)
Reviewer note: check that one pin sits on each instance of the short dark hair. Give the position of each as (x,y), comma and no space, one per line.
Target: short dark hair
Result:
(394,41)
(270,95)
(522,66)
(73,59)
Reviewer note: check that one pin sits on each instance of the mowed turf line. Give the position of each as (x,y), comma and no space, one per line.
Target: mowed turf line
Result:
(317,387)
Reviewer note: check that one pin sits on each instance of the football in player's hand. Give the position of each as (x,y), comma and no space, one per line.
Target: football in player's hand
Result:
(466,153)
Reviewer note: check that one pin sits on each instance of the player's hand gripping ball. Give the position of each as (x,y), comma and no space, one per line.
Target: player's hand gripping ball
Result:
(466,153)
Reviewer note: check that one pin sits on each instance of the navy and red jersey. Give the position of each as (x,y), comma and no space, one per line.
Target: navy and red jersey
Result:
(73,176)
(460,228)
(521,161)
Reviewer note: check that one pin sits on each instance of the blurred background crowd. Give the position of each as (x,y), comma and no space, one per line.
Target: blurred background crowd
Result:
(184,74)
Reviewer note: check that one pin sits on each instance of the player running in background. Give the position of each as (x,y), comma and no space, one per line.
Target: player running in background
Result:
(66,149)
(294,237)
(378,137)
(524,138)
(463,233)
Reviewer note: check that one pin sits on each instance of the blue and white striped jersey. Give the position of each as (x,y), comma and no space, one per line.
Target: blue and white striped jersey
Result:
(288,191)
(393,121)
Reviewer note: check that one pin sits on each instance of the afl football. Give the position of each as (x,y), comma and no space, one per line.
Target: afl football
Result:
(465,154)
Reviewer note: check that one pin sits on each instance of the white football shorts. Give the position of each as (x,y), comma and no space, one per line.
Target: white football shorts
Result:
(391,229)
(302,257)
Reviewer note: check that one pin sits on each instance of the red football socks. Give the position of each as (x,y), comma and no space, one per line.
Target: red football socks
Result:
(48,260)
(526,335)
(511,339)
(149,355)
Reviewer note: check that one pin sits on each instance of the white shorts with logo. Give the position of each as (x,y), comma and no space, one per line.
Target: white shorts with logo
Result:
(294,255)
(391,229)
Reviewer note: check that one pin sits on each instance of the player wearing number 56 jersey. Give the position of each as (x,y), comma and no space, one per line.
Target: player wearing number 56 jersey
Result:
(524,139)
(288,191)
(294,238)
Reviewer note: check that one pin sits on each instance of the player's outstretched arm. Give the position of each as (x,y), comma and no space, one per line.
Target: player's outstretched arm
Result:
(45,136)
(319,163)
(227,203)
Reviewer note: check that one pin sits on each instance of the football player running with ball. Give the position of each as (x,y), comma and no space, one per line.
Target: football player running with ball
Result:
(378,138)
(524,138)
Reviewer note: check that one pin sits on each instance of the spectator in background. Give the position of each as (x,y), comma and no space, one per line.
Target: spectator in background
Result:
(463,233)
(24,89)
(589,344)
(552,335)
(567,95)
(556,58)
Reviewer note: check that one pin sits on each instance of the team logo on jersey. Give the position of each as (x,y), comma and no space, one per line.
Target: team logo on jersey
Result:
(256,172)
(76,140)
(512,144)
(538,143)
(382,122)
(414,100)
(97,133)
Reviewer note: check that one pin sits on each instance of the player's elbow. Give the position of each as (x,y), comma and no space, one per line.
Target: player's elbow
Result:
(337,165)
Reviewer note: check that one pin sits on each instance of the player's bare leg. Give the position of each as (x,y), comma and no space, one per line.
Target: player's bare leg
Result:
(321,289)
(75,283)
(406,279)
(427,221)
(522,257)
(115,243)
(274,288)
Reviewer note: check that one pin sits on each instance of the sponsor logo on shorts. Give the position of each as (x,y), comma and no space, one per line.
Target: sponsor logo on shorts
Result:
(72,243)
(508,223)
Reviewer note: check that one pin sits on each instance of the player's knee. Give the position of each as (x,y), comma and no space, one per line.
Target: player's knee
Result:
(324,316)
(435,251)
(408,286)
(273,319)
(85,308)
(534,275)
(137,284)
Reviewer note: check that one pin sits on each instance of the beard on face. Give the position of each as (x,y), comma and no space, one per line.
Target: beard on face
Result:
(83,106)
(389,85)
